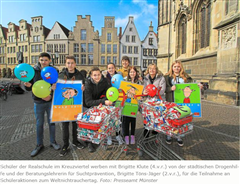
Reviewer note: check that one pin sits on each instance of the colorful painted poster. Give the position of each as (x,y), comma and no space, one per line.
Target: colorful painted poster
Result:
(189,94)
(67,101)
(131,104)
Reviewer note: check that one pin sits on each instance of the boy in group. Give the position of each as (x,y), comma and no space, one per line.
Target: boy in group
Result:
(70,73)
(42,105)
(125,66)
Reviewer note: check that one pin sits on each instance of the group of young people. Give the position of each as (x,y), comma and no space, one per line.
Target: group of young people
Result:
(94,90)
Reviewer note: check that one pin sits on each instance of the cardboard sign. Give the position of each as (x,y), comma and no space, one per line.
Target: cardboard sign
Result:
(67,101)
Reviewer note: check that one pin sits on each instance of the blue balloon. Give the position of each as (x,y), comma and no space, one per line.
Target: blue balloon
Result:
(24,72)
(49,74)
(116,80)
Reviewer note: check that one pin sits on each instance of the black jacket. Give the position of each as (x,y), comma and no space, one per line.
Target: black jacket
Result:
(37,77)
(169,92)
(93,92)
(76,76)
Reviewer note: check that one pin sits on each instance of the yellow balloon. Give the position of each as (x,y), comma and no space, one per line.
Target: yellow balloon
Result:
(41,89)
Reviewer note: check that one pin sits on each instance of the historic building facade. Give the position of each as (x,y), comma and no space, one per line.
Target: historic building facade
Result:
(84,43)
(130,43)
(37,40)
(204,35)
(109,43)
(3,50)
(149,49)
(57,44)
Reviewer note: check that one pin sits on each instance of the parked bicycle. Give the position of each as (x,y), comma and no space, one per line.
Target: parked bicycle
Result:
(3,91)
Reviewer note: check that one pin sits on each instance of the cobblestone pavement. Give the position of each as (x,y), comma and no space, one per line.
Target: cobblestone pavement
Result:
(215,136)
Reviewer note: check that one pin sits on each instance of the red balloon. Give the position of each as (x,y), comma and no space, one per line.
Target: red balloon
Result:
(152,90)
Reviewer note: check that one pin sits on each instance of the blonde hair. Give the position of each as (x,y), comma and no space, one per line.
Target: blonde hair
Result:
(158,71)
(182,72)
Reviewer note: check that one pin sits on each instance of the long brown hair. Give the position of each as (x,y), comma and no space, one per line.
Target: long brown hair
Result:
(137,74)
(182,72)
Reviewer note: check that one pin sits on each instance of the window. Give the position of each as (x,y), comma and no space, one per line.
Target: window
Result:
(33,48)
(62,48)
(133,38)
(102,48)
(115,60)
(231,6)
(155,52)
(155,62)
(56,36)
(150,41)
(182,33)
(50,48)
(150,52)
(102,60)
(135,61)
(130,29)
(127,38)
(130,58)
(90,48)
(83,34)
(36,48)
(124,49)
(203,25)
(83,59)
(21,37)
(26,48)
(40,48)
(109,36)
(108,59)
(129,49)
(114,48)
(135,49)
(83,47)
(76,48)
(77,59)
(26,59)
(144,63)
(90,59)
(149,62)
(56,48)
(19,48)
(109,48)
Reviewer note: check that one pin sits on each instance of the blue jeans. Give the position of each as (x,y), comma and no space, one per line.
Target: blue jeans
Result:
(39,110)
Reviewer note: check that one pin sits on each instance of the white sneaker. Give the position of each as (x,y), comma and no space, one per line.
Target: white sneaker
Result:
(119,139)
(109,140)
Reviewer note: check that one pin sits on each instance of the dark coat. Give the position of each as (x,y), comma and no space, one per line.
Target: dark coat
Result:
(169,92)
(37,77)
(76,76)
(93,92)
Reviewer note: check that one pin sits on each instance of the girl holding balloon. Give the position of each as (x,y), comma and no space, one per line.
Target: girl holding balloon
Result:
(42,97)
(153,76)
(127,121)
(111,71)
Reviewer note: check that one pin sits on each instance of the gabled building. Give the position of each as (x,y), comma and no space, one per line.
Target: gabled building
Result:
(130,43)
(149,49)
(84,43)
(12,37)
(23,40)
(109,43)
(37,39)
(3,47)
(57,44)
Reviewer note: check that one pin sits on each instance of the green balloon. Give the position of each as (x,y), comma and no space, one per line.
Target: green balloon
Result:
(112,94)
(41,89)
